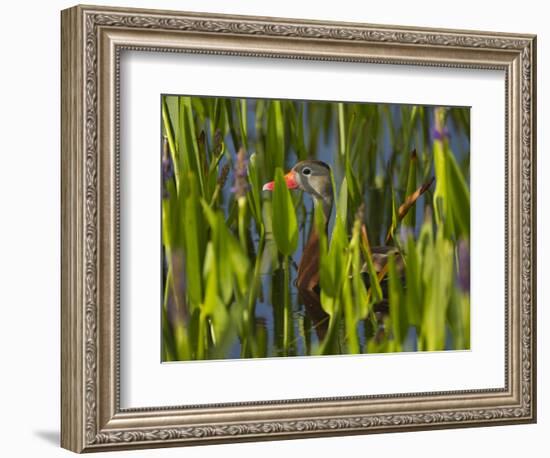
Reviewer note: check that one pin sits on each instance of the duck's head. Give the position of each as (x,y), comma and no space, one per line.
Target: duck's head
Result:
(313,177)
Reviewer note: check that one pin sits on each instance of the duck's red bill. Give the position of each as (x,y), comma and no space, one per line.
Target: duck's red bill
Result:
(290,180)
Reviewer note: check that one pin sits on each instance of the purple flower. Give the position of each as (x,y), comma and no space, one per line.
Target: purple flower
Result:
(240,186)
(440,134)
(167,169)
(439,130)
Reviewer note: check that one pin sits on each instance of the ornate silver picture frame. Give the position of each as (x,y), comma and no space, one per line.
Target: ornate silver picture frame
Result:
(93,39)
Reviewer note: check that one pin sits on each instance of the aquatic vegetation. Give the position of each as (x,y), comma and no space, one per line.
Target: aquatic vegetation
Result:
(232,250)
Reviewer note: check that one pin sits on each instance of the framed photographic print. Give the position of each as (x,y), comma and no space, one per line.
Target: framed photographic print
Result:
(278,228)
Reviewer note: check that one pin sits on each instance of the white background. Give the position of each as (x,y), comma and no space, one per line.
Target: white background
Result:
(29,242)
(146,75)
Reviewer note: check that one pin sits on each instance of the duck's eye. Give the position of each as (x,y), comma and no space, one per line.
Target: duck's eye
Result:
(306,171)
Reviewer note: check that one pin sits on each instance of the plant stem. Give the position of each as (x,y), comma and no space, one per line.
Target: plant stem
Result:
(242,222)
(286,305)
(200,343)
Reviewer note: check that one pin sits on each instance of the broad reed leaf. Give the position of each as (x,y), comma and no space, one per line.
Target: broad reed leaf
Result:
(233,261)
(195,241)
(337,253)
(459,319)
(275,142)
(214,316)
(342,205)
(361,299)
(451,196)
(414,296)
(398,314)
(460,196)
(285,226)
(240,264)
(350,317)
(437,276)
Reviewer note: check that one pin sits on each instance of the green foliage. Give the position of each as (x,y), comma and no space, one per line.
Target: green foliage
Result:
(410,218)
(228,246)
(333,259)
(286,229)
(451,197)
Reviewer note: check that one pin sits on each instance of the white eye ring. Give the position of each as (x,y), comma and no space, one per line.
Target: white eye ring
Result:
(306,171)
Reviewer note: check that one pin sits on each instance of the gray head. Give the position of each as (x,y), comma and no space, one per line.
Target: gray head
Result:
(313,177)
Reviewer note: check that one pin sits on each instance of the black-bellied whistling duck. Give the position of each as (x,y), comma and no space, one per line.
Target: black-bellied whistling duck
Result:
(314,178)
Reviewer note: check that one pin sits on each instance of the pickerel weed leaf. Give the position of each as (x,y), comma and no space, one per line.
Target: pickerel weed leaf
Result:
(285,226)
(398,314)
(414,296)
(195,241)
(275,142)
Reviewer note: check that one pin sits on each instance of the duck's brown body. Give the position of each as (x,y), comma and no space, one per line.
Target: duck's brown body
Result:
(308,268)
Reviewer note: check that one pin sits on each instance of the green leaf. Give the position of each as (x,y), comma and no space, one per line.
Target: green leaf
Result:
(332,264)
(451,196)
(353,188)
(398,318)
(233,261)
(341,129)
(213,306)
(343,201)
(275,144)
(460,197)
(242,112)
(358,285)
(285,226)
(350,318)
(195,241)
(438,280)
(255,200)
(375,287)
(394,216)
(192,162)
(410,217)
(414,297)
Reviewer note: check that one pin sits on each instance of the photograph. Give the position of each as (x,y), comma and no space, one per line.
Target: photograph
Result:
(310,228)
